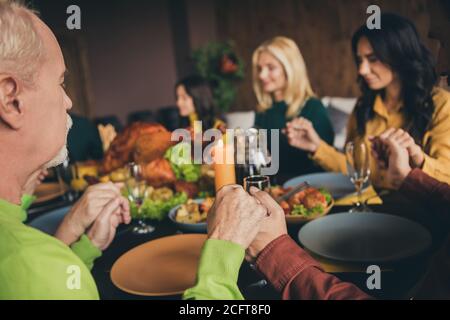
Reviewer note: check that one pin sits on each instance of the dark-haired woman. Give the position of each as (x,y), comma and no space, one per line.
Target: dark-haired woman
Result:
(195,101)
(397,79)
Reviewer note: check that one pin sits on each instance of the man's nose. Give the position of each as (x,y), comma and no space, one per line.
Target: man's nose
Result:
(68,103)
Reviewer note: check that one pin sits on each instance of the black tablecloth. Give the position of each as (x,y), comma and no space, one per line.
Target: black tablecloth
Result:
(396,284)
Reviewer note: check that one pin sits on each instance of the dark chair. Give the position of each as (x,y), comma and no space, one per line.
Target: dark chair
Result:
(112,120)
(141,116)
(170,118)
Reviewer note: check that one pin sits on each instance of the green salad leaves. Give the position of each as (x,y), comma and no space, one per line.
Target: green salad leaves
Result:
(180,160)
(301,210)
(157,209)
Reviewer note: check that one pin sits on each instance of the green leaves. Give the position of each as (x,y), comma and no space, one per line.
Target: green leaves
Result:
(218,63)
(180,161)
(157,209)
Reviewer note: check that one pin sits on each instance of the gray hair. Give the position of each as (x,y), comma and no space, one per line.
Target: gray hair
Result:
(21,49)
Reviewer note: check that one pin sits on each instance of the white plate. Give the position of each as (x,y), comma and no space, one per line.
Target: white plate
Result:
(49,222)
(337,184)
(364,237)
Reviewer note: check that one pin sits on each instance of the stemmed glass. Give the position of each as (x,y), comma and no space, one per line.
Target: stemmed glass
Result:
(260,182)
(137,191)
(358,169)
(252,154)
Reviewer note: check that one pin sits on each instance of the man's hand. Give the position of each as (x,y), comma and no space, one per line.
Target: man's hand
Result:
(271,228)
(104,228)
(235,216)
(86,211)
(301,134)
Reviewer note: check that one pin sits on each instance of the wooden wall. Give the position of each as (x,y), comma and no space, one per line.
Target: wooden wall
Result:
(321,28)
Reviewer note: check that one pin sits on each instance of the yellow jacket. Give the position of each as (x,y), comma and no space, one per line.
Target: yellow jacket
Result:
(436,141)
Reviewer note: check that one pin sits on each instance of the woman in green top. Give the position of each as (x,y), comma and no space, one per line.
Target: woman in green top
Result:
(283,91)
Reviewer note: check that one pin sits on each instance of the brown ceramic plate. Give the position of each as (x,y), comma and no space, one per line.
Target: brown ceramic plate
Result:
(49,191)
(298,219)
(162,267)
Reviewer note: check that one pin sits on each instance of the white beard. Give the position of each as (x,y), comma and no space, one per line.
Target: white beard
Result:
(63,153)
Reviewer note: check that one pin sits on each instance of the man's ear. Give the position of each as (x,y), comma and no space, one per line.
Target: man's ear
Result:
(11,111)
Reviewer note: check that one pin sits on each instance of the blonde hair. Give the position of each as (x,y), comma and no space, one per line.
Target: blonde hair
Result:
(21,49)
(298,88)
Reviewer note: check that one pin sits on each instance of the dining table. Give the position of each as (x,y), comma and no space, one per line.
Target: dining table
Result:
(399,280)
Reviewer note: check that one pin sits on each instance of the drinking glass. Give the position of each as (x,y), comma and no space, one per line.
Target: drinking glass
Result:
(137,191)
(357,155)
(260,182)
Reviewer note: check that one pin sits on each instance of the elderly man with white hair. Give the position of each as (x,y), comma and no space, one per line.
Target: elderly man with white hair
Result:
(33,130)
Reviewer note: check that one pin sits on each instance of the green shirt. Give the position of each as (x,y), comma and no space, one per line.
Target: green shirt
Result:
(218,272)
(34,265)
(293,161)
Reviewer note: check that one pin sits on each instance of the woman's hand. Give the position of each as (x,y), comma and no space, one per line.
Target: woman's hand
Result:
(404,140)
(395,158)
(301,134)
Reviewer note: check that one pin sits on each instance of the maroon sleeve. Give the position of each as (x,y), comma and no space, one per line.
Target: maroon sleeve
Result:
(294,273)
(429,192)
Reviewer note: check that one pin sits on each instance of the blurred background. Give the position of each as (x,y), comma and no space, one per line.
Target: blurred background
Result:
(126,58)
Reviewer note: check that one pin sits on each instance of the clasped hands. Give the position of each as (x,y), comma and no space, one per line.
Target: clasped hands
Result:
(98,213)
(250,219)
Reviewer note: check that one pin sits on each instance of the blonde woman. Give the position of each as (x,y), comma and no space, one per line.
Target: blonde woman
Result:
(283,92)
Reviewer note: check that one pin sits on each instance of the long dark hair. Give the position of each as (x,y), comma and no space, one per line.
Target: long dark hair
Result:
(398,45)
(201,93)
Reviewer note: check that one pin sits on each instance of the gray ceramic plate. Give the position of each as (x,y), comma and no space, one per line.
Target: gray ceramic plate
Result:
(337,184)
(364,237)
(188,227)
(50,221)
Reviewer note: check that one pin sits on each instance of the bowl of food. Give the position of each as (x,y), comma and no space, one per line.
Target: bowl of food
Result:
(191,216)
(305,205)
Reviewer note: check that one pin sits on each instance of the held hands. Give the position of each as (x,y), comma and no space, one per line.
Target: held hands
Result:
(404,140)
(270,228)
(301,134)
(235,216)
(100,207)
(250,220)
(391,153)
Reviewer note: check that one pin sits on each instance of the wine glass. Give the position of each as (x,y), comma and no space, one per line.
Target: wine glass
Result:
(251,154)
(357,155)
(137,191)
(260,182)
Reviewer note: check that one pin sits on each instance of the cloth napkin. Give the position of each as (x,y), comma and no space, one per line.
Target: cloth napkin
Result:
(368,193)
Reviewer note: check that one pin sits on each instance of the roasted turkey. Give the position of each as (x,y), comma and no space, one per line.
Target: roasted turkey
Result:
(145,144)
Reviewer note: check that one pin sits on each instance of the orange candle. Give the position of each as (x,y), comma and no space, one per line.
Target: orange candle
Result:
(224,164)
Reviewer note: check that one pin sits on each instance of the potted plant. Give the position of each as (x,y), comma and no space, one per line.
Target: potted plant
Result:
(219,64)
